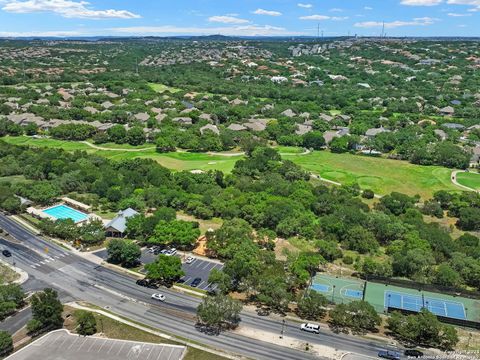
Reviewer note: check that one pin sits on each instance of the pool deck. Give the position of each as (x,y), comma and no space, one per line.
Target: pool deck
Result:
(43,214)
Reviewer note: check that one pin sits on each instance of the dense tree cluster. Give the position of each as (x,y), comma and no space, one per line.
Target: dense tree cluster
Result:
(12,298)
(423,329)
(46,312)
(123,252)
(89,233)
(263,198)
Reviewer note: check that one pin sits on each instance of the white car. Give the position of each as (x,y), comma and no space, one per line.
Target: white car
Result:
(158,297)
(312,328)
(171,252)
(190,259)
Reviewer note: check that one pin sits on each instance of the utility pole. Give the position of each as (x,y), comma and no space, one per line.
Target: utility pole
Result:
(283,329)
(23,70)
(383,29)
(318,31)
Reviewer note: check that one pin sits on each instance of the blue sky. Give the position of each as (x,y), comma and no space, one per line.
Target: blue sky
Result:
(238,17)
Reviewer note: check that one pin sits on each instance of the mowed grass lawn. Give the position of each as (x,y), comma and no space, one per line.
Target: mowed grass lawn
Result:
(160,88)
(176,161)
(470,179)
(380,175)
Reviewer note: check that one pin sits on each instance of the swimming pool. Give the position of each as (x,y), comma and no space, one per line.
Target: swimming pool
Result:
(65,212)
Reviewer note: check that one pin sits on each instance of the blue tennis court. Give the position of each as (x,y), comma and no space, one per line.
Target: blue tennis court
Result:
(356,294)
(415,303)
(322,288)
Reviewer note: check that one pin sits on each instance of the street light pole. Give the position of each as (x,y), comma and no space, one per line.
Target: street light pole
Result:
(283,329)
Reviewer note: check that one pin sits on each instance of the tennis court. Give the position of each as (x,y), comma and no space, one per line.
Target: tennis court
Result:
(338,290)
(445,308)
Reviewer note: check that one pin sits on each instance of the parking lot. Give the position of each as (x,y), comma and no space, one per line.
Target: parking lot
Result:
(199,268)
(60,344)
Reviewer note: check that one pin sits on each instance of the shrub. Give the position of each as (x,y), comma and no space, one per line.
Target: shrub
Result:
(368,194)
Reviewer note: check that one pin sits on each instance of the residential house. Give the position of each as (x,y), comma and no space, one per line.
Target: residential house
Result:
(303,129)
(183,120)
(375,131)
(236,127)
(210,127)
(326,117)
(288,113)
(142,117)
(256,124)
(447,111)
(453,126)
(441,134)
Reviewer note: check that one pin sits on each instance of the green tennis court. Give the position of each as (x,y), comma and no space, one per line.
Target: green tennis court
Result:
(337,289)
(382,296)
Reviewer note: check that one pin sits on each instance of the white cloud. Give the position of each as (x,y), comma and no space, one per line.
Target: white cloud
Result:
(305,6)
(240,30)
(367,8)
(464,2)
(421,2)
(60,33)
(336,10)
(475,3)
(425,21)
(227,20)
(315,17)
(65,8)
(458,15)
(267,12)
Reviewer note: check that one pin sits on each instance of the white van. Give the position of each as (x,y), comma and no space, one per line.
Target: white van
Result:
(310,328)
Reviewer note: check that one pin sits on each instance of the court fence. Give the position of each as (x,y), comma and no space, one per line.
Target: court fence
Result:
(443,319)
(453,291)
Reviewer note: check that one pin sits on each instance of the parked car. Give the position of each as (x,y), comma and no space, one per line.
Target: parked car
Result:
(312,328)
(159,297)
(6,253)
(190,259)
(196,282)
(413,353)
(153,249)
(389,354)
(171,252)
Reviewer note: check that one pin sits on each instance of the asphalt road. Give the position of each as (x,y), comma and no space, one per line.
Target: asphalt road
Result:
(77,278)
(199,268)
(15,322)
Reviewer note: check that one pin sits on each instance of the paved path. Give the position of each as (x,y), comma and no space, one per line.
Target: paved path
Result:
(455,182)
(214,153)
(116,149)
(318,177)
